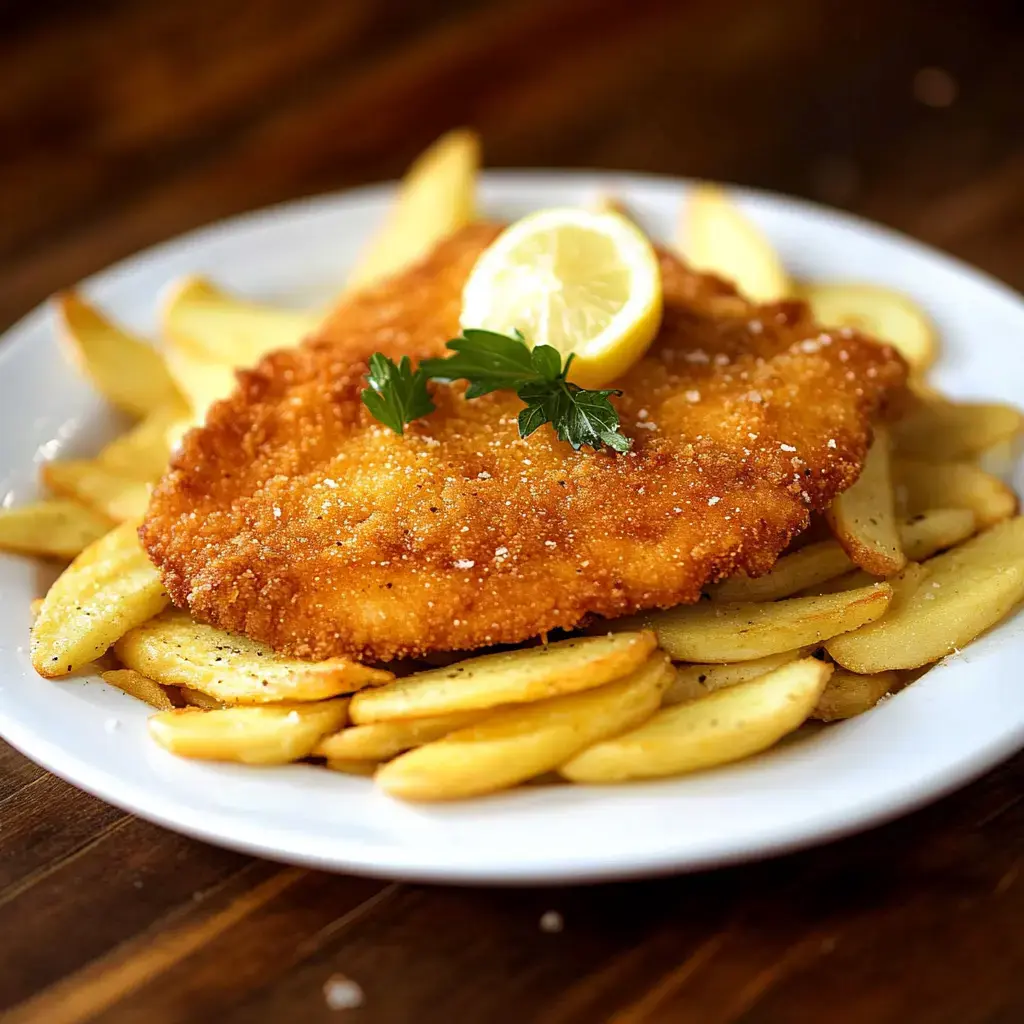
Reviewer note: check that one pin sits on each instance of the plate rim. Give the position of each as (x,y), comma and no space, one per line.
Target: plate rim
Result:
(137,799)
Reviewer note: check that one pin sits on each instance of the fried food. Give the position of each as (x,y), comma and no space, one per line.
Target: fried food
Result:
(296,518)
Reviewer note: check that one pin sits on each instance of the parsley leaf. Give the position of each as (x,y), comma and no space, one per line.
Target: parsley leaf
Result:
(496,362)
(396,394)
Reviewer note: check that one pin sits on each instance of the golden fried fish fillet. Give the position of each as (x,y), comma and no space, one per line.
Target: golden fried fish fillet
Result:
(295,517)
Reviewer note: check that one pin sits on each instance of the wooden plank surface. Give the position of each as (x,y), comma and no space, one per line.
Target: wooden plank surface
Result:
(124,122)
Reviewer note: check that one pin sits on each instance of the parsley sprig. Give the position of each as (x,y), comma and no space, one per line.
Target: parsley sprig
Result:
(496,362)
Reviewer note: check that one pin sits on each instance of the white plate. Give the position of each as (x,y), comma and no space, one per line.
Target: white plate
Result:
(960,719)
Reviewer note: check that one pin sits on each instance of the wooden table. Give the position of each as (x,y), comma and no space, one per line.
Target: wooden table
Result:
(123,123)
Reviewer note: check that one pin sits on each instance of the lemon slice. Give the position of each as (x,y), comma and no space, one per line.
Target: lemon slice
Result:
(585,282)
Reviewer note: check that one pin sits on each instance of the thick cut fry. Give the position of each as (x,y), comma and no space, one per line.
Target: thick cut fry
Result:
(810,570)
(51,529)
(107,590)
(935,530)
(437,196)
(129,373)
(716,237)
(925,485)
(365,768)
(200,379)
(694,681)
(276,734)
(135,684)
(879,313)
(198,699)
(726,726)
(205,320)
(175,650)
(516,744)
(943,431)
(142,452)
(863,518)
(383,740)
(114,495)
(848,694)
(512,677)
(710,631)
(963,592)
(807,567)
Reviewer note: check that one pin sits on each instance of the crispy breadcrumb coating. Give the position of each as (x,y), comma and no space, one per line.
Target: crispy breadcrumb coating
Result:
(295,517)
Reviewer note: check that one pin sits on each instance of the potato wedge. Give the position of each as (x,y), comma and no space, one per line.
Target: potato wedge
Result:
(135,684)
(942,431)
(117,497)
(879,313)
(520,743)
(107,590)
(128,372)
(383,740)
(143,452)
(512,677)
(725,726)
(717,237)
(848,694)
(271,734)
(198,699)
(710,631)
(694,681)
(963,592)
(921,486)
(207,321)
(57,528)
(200,379)
(935,530)
(806,567)
(437,196)
(863,517)
(175,650)
(365,768)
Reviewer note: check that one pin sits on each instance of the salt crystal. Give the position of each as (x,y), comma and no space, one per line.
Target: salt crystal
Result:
(787,447)
(551,921)
(692,396)
(714,501)
(341,993)
(831,442)
(277,512)
(464,563)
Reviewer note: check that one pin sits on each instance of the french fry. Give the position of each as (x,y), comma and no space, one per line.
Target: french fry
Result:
(848,694)
(879,313)
(725,726)
(963,592)
(107,590)
(437,196)
(921,486)
(175,650)
(269,734)
(200,317)
(142,452)
(128,372)
(139,686)
(716,237)
(935,530)
(57,528)
(810,569)
(863,517)
(198,699)
(520,743)
(806,567)
(713,632)
(942,431)
(512,677)
(366,768)
(202,380)
(694,681)
(118,497)
(383,740)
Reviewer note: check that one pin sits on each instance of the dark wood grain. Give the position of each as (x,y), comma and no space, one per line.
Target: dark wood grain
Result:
(124,122)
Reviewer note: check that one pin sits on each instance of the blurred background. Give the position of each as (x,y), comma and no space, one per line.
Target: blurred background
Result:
(124,122)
